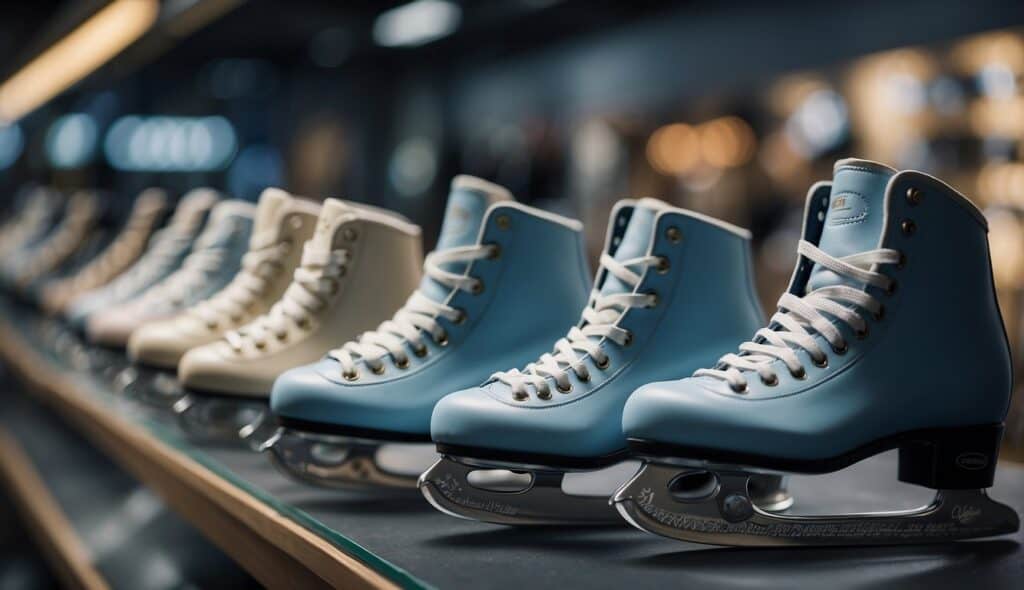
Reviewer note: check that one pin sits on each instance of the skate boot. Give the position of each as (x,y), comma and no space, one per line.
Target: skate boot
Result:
(282,224)
(544,445)
(503,282)
(80,216)
(147,212)
(164,255)
(215,258)
(41,211)
(888,337)
(358,267)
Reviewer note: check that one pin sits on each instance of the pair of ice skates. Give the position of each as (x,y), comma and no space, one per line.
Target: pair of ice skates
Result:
(889,336)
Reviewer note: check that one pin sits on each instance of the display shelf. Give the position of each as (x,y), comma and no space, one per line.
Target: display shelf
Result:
(289,534)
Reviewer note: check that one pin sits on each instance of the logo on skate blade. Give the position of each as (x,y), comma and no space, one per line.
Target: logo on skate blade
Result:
(972,461)
(847,208)
(965,514)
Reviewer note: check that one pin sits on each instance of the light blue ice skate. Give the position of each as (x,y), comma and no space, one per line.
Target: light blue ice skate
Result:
(544,445)
(888,337)
(504,281)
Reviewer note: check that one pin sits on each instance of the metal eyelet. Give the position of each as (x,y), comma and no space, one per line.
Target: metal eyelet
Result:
(544,395)
(823,363)
(841,350)
(350,234)
(352,375)
(603,365)
(259,344)
(560,389)
(461,318)
(441,339)
(584,378)
(503,222)
(282,337)
(212,325)
(663,265)
(477,288)
(914,196)
(673,234)
(378,370)
(770,382)
(908,226)
(519,396)
(495,252)
(402,363)
(629,339)
(740,389)
(420,351)
(861,334)
(799,375)
(655,300)
(303,323)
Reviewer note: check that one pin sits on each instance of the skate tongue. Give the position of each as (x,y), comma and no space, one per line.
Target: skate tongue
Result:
(193,207)
(467,203)
(635,241)
(853,222)
(218,229)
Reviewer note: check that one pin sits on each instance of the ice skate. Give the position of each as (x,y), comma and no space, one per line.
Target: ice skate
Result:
(544,445)
(282,224)
(888,337)
(357,268)
(502,284)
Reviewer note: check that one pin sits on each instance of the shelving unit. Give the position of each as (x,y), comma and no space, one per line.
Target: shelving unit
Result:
(289,535)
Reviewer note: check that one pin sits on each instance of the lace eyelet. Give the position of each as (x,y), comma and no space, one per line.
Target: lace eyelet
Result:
(461,318)
(477,288)
(420,351)
(603,364)
(770,382)
(840,350)
(740,389)
(663,265)
(212,325)
(283,337)
(655,300)
(519,396)
(561,389)
(544,395)
(629,340)
(402,363)
(495,252)
(584,378)
(799,375)
(673,234)
(259,344)
(503,222)
(352,375)
(821,364)
(378,370)
(349,234)
(303,323)
(441,339)
(880,314)
(908,227)
(862,334)
(914,196)
(295,221)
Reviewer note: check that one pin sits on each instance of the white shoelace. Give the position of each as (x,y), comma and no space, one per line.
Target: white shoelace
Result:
(418,315)
(313,285)
(789,327)
(600,319)
(258,267)
(195,270)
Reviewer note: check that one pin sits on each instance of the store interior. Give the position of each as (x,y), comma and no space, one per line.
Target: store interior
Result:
(731,109)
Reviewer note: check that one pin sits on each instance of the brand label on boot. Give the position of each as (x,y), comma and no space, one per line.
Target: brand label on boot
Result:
(847,208)
(972,461)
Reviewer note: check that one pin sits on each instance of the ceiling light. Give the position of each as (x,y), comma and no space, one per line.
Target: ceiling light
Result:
(416,23)
(81,52)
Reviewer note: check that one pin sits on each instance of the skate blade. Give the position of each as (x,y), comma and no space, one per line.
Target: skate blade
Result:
(724,508)
(217,419)
(155,388)
(515,497)
(347,463)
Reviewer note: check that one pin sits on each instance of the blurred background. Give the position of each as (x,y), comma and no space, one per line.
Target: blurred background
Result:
(731,108)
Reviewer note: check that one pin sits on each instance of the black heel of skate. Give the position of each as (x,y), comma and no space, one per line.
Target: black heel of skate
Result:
(952,458)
